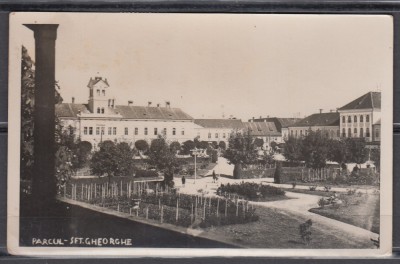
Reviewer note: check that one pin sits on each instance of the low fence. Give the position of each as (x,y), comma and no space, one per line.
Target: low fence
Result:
(302,174)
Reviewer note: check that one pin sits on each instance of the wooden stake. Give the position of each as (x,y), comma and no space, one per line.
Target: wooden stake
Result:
(217,207)
(226,207)
(177,211)
(162,214)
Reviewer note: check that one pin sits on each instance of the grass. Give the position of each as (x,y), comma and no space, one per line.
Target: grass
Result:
(362,211)
(278,229)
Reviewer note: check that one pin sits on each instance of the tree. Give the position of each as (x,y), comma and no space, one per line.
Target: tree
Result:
(315,149)
(358,153)
(175,147)
(241,152)
(293,150)
(375,156)
(222,145)
(214,144)
(164,159)
(338,151)
(113,160)
(142,146)
(259,142)
(187,146)
(83,154)
(274,146)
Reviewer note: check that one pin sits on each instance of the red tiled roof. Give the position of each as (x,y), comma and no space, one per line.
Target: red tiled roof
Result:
(261,128)
(220,123)
(321,119)
(367,101)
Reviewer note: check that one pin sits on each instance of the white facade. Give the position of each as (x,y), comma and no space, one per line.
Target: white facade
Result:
(360,123)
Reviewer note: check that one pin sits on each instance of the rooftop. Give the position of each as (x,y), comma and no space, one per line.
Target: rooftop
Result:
(369,100)
(261,128)
(321,119)
(220,123)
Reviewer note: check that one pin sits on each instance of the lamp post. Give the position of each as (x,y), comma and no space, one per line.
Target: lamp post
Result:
(195,152)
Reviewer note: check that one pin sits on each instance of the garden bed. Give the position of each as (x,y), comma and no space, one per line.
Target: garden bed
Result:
(251,191)
(360,210)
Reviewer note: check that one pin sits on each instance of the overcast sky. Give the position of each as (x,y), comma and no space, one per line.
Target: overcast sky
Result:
(210,65)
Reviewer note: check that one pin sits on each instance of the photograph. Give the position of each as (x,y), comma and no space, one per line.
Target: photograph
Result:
(183,134)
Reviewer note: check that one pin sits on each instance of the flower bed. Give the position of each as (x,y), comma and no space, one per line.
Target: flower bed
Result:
(250,190)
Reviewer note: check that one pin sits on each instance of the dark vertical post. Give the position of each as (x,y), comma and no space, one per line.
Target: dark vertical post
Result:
(44,180)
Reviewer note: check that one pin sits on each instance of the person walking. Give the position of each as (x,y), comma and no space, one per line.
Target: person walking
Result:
(214,176)
(183,180)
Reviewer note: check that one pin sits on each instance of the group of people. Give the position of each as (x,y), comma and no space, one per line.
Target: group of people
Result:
(215,179)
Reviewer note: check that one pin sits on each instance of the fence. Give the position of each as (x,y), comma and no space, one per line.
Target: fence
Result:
(292,174)
(164,205)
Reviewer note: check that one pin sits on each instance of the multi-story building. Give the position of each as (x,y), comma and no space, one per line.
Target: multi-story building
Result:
(361,118)
(101,119)
(266,131)
(328,123)
(216,129)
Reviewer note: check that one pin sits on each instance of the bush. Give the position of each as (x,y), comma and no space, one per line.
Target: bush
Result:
(294,185)
(322,202)
(252,191)
(327,188)
(146,173)
(312,188)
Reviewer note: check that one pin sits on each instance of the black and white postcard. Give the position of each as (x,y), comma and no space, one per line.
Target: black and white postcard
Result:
(142,134)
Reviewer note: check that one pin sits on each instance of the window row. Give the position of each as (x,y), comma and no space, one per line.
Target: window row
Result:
(103,92)
(354,119)
(328,133)
(113,131)
(355,132)
(216,135)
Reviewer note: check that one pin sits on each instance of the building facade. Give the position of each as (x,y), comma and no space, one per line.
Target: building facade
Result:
(216,129)
(328,123)
(361,118)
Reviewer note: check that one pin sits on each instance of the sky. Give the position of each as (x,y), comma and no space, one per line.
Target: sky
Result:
(221,65)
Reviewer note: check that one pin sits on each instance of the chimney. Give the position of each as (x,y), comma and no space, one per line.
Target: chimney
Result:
(73,100)
(158,105)
(168,104)
(148,103)
(320,110)
(130,102)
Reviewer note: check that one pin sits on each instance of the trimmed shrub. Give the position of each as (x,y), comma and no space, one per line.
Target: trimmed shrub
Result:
(146,173)
(278,173)
(250,190)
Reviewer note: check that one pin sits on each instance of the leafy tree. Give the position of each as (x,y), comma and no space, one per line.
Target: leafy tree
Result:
(187,146)
(241,152)
(142,146)
(274,146)
(338,151)
(293,150)
(358,153)
(113,160)
(164,159)
(259,142)
(375,156)
(83,153)
(315,149)
(222,145)
(175,147)
(214,144)
(268,157)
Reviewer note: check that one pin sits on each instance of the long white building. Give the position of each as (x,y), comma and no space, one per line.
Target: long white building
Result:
(101,119)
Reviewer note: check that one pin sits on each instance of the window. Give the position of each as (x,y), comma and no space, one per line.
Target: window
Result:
(103,92)
(102,130)
(97,130)
(183,132)
(349,119)
(367,118)
(102,110)
(291,133)
(223,135)
(114,131)
(109,102)
(174,131)
(338,133)
(216,135)
(98,92)
(126,131)
(301,133)
(209,135)
(377,132)
(165,131)
(145,131)
(343,119)
(361,131)
(109,130)
(85,130)
(349,132)
(367,132)
(355,132)
(90,130)
(155,131)
(98,110)
(361,118)
(343,132)
(355,119)
(136,131)
(296,133)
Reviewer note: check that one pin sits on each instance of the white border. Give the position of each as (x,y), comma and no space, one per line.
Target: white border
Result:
(14,171)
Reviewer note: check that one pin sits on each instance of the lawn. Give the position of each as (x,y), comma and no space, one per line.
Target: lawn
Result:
(278,229)
(361,210)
